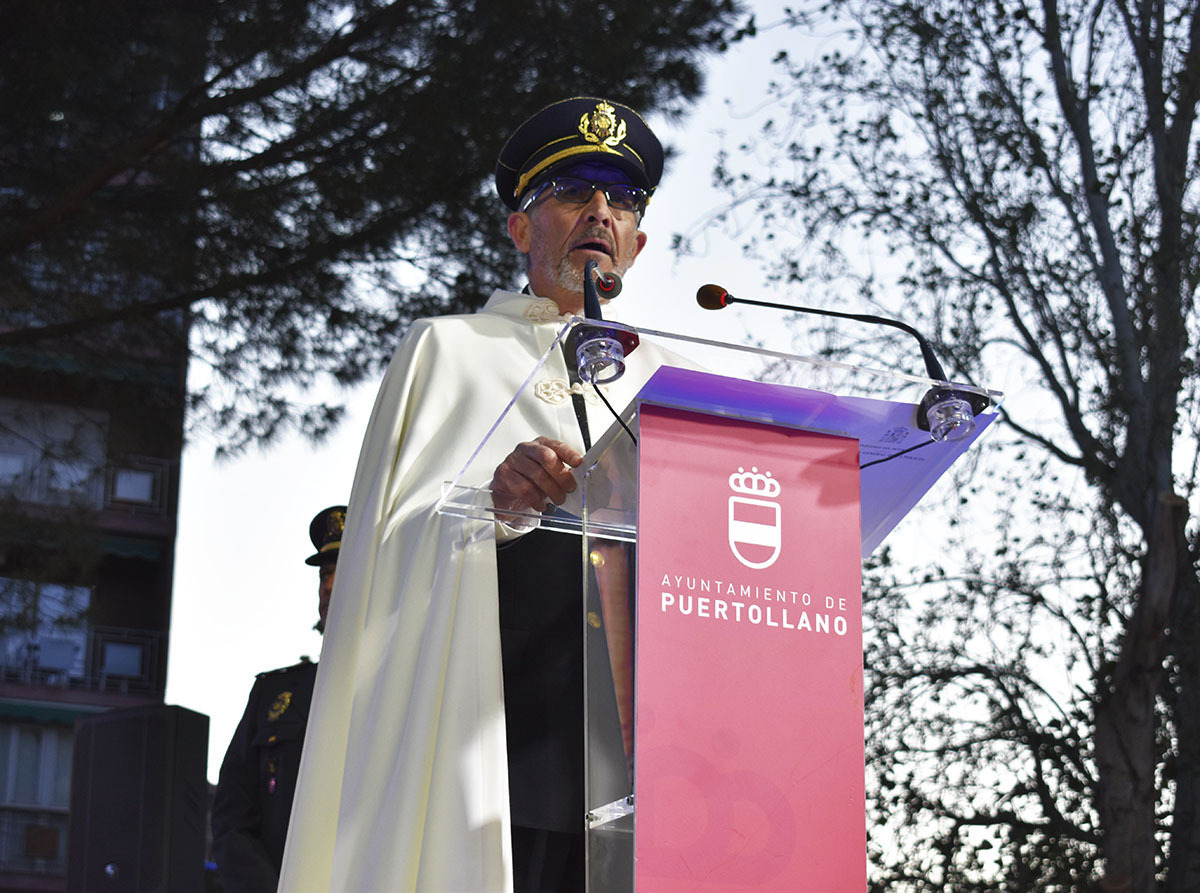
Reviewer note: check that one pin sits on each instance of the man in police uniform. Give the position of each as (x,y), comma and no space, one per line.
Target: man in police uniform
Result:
(258,776)
(450,705)
(577,177)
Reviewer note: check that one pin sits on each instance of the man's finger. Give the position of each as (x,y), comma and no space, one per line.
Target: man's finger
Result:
(534,474)
(566,454)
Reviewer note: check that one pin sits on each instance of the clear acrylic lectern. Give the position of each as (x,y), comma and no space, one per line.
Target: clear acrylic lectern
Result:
(726,385)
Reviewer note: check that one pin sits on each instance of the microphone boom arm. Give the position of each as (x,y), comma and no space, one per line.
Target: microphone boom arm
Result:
(944,411)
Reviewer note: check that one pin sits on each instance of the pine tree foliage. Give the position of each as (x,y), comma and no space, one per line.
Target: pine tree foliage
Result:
(296,180)
(1021,180)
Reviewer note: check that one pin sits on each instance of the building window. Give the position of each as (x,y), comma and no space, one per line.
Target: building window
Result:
(122,659)
(15,472)
(137,485)
(43,630)
(35,793)
(52,454)
(67,481)
(35,765)
(131,485)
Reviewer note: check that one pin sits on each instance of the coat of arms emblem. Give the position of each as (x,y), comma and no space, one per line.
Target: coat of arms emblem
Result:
(602,127)
(754,518)
(279,706)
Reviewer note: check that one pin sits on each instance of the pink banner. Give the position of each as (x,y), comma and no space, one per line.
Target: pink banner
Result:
(749,727)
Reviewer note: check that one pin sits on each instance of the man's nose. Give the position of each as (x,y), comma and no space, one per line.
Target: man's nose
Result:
(598,208)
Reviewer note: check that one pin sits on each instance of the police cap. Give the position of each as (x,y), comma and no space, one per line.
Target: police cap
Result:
(583,128)
(325,531)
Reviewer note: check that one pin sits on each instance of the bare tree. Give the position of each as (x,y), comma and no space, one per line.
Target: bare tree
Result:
(1030,172)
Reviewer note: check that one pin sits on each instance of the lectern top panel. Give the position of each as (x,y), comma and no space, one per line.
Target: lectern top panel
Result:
(899,461)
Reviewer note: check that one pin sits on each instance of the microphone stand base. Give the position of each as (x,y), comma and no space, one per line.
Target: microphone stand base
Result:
(949,414)
(600,349)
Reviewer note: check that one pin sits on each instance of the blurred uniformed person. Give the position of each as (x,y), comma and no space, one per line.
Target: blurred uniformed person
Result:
(258,777)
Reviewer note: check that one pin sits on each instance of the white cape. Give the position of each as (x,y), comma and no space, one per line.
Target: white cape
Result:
(404,783)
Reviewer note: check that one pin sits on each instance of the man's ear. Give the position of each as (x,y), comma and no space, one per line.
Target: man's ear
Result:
(519,227)
(639,242)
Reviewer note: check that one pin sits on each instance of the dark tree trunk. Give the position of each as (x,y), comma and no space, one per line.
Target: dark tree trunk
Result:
(1125,746)
(1183,874)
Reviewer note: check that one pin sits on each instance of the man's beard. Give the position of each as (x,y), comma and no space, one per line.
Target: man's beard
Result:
(568,276)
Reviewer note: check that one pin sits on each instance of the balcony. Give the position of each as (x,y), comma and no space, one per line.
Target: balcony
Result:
(99,659)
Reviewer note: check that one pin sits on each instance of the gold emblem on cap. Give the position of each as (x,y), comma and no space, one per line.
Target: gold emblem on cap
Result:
(282,701)
(337,522)
(602,127)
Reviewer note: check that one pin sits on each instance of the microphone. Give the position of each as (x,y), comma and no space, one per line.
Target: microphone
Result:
(711,297)
(946,413)
(609,284)
(600,348)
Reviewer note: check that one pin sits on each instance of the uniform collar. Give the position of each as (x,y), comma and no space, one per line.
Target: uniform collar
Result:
(531,308)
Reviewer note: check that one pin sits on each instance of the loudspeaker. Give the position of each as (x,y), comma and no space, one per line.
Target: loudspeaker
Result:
(138,802)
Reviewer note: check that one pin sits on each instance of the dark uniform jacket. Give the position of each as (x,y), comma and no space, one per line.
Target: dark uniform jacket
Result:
(541,638)
(254,794)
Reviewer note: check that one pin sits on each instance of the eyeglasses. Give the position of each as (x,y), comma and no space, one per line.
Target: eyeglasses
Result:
(574,191)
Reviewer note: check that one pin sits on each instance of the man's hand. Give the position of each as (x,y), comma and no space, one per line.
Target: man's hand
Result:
(534,474)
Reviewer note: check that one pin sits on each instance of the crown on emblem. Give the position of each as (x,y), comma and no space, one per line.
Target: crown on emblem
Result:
(602,126)
(752,482)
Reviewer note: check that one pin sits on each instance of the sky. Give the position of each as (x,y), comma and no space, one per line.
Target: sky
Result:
(244,601)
